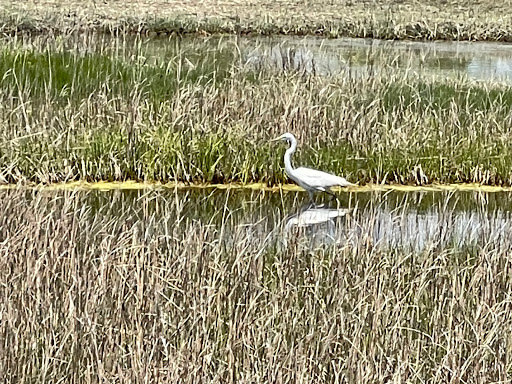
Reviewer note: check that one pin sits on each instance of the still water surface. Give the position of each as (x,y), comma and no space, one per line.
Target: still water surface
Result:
(358,57)
(409,221)
(476,60)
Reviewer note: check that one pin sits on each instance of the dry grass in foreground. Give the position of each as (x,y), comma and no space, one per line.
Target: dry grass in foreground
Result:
(108,290)
(454,20)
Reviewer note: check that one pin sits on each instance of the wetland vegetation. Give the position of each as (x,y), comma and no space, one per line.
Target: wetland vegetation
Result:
(216,286)
(382,19)
(91,107)
(163,285)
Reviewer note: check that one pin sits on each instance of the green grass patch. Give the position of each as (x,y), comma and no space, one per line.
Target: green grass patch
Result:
(71,75)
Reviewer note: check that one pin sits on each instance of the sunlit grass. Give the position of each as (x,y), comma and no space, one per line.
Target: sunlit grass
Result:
(63,74)
(111,110)
(168,287)
(384,19)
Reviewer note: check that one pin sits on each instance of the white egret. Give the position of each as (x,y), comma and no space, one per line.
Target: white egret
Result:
(309,179)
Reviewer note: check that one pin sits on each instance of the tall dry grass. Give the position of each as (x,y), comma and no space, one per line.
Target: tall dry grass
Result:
(384,19)
(149,288)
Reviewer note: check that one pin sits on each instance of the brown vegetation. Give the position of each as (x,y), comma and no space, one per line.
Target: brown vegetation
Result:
(168,288)
(453,20)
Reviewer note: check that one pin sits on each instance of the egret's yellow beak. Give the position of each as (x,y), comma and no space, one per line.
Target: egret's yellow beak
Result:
(276,139)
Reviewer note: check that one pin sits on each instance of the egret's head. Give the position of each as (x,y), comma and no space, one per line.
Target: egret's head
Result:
(288,137)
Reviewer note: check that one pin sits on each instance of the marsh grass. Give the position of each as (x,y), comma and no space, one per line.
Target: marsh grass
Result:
(385,19)
(164,287)
(85,108)
(76,67)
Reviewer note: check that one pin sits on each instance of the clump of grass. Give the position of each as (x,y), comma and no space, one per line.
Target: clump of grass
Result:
(58,71)
(163,287)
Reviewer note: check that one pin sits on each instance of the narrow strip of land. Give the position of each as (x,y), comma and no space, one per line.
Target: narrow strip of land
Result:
(133,185)
(384,19)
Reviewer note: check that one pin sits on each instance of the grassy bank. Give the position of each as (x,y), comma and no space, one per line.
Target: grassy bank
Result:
(454,20)
(108,110)
(167,288)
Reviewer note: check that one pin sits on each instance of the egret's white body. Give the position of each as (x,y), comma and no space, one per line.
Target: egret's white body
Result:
(309,179)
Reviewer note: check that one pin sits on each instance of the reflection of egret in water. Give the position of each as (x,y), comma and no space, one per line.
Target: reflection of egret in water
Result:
(404,226)
(407,221)
(317,225)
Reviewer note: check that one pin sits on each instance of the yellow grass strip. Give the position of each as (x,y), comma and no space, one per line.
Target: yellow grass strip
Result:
(133,185)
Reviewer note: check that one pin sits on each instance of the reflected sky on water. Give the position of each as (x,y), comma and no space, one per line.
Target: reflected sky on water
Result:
(476,60)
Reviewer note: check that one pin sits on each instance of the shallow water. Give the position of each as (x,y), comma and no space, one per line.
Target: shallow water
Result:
(476,60)
(358,57)
(409,221)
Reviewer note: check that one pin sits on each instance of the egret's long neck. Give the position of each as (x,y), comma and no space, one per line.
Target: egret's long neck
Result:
(288,157)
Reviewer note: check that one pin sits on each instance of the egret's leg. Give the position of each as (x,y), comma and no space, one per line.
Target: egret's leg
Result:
(310,193)
(328,191)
